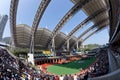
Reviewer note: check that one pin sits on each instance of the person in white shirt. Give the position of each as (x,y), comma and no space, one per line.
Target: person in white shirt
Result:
(75,77)
(61,77)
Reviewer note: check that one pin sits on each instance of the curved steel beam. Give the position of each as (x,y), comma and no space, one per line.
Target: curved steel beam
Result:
(67,17)
(114,16)
(82,40)
(90,28)
(116,34)
(92,33)
(13,14)
(114,21)
(38,16)
(83,23)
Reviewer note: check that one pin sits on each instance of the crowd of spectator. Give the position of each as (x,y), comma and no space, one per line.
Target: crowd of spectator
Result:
(8,65)
(116,50)
(101,66)
(14,69)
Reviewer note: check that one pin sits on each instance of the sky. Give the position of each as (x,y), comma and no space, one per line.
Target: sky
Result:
(52,15)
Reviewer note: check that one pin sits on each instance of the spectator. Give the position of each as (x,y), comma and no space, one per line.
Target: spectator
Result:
(65,77)
(61,77)
(56,78)
(75,77)
(70,77)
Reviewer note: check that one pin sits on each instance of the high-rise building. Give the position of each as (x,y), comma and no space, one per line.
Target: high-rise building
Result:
(3,21)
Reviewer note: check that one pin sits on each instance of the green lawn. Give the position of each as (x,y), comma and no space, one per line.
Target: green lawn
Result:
(71,67)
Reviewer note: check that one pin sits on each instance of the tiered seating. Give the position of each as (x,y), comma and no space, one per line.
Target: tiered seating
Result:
(18,70)
(8,65)
(12,68)
(101,66)
(98,68)
(41,55)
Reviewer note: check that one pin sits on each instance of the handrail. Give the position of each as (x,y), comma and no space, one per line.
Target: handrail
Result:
(115,75)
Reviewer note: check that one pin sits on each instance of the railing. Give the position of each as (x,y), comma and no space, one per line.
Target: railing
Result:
(115,75)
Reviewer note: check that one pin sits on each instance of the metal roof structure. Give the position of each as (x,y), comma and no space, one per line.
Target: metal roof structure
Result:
(23,35)
(67,17)
(97,13)
(96,10)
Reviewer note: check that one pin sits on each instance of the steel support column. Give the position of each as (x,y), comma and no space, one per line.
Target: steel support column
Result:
(68,45)
(32,46)
(77,46)
(53,46)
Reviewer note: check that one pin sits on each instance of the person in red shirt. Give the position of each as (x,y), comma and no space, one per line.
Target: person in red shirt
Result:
(57,78)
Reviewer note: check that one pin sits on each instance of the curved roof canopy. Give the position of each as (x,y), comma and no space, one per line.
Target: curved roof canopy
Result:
(23,34)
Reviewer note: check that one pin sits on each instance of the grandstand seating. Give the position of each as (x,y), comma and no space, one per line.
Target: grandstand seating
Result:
(111,76)
(18,69)
(12,68)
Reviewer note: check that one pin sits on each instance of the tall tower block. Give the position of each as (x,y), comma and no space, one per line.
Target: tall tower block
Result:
(3,21)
